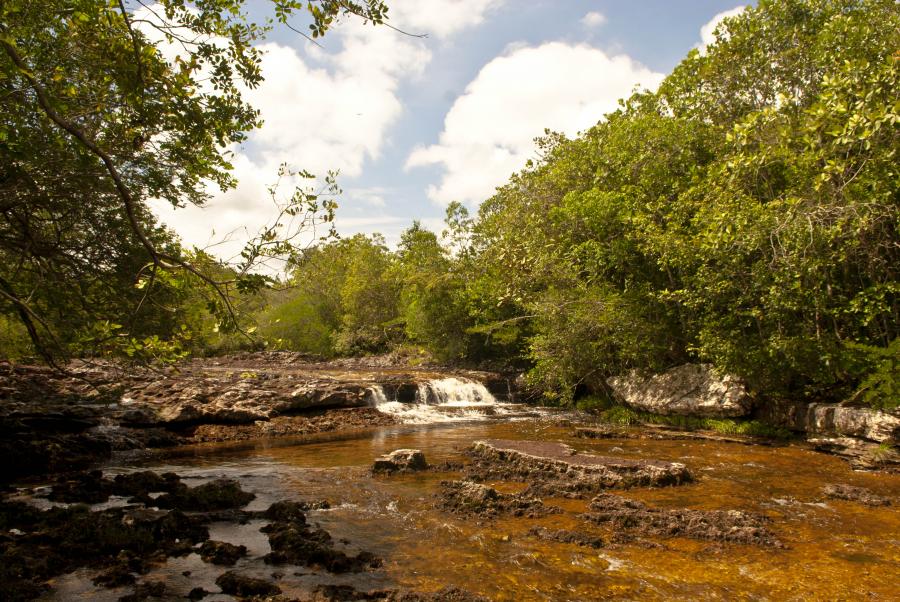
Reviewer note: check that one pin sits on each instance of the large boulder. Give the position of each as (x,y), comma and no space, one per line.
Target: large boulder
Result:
(833,420)
(687,390)
(863,423)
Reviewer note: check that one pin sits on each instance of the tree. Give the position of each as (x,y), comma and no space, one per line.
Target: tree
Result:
(96,121)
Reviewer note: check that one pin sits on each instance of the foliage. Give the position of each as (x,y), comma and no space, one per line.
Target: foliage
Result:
(104,105)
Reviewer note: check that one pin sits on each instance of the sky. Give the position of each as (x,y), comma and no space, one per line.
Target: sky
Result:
(414,123)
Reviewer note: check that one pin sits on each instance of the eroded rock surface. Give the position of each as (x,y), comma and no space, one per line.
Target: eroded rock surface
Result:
(556,469)
(687,390)
(566,536)
(635,517)
(468,498)
(855,494)
(862,455)
(400,460)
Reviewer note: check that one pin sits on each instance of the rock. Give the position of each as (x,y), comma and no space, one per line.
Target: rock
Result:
(220,552)
(61,540)
(198,593)
(855,494)
(348,593)
(293,541)
(564,536)
(220,494)
(467,498)
(400,460)
(632,516)
(687,390)
(556,469)
(833,420)
(149,589)
(236,584)
(844,421)
(862,455)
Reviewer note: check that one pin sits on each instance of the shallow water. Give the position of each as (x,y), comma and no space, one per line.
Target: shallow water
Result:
(835,549)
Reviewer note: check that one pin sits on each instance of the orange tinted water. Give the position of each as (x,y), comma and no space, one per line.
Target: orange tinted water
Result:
(835,550)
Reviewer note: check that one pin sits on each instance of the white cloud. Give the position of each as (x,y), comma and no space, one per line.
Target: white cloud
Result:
(488,132)
(332,113)
(322,110)
(707,32)
(439,17)
(593,19)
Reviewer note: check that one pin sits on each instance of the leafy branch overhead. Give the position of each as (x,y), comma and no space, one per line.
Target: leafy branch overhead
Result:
(106,105)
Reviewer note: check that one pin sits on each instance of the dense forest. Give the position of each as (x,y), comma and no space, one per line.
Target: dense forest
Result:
(744,214)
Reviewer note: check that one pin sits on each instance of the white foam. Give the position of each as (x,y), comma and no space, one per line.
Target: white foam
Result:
(443,400)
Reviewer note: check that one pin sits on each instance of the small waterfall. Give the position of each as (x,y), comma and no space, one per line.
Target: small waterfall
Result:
(442,400)
(375,396)
(454,392)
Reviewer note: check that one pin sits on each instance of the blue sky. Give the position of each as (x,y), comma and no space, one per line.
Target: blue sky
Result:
(414,123)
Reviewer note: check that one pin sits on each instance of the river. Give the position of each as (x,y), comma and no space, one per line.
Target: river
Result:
(833,549)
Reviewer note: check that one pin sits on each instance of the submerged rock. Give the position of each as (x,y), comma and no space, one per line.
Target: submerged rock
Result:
(855,494)
(466,497)
(687,390)
(556,469)
(635,517)
(347,593)
(400,460)
(565,536)
(236,584)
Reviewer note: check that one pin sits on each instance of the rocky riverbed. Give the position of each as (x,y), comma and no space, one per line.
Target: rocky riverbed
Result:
(271,477)
(325,519)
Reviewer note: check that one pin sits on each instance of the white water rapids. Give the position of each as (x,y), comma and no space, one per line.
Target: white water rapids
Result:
(444,400)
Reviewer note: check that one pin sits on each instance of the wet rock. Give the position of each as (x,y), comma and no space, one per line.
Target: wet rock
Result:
(220,494)
(146,482)
(86,488)
(198,593)
(556,469)
(347,593)
(116,576)
(61,540)
(855,494)
(220,552)
(687,390)
(236,584)
(635,517)
(297,543)
(400,460)
(468,498)
(862,455)
(564,536)
(280,426)
(287,511)
(149,589)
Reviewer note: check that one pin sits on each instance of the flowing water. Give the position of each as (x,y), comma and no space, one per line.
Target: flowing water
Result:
(835,550)
(448,400)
